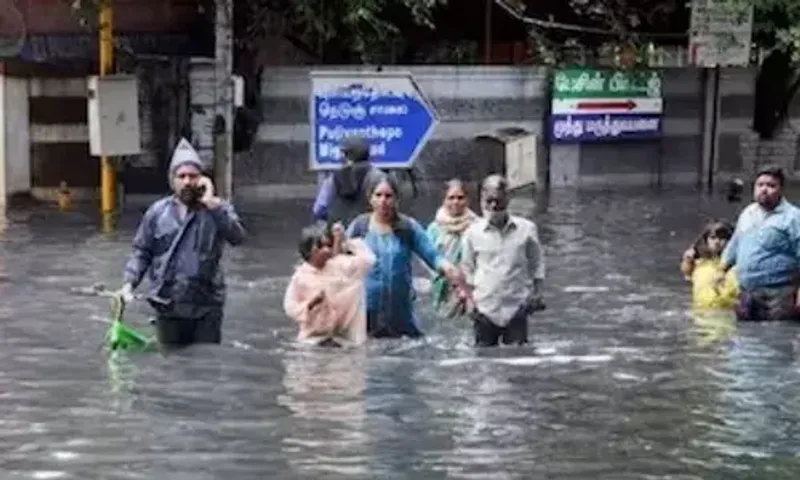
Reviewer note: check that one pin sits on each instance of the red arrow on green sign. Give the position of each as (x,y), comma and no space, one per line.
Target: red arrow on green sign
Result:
(623,105)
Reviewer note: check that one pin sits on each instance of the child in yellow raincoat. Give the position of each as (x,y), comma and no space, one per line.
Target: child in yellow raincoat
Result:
(700,265)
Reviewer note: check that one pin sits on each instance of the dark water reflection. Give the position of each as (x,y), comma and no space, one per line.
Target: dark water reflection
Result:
(619,383)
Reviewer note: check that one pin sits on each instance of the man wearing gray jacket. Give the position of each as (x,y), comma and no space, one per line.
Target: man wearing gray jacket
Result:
(179,244)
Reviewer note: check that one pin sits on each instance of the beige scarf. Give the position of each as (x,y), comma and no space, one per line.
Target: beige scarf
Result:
(454,225)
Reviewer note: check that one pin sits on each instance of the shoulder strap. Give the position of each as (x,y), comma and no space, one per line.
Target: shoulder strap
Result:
(402,228)
(360,225)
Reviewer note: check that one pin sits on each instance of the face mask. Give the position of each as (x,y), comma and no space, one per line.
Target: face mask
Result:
(493,216)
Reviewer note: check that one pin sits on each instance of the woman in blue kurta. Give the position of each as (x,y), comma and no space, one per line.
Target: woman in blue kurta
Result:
(394,238)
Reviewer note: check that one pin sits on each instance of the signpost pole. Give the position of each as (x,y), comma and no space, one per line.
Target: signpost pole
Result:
(223,99)
(714,134)
(720,34)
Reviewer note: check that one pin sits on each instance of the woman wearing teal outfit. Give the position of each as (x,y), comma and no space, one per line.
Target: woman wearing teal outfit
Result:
(394,239)
(445,232)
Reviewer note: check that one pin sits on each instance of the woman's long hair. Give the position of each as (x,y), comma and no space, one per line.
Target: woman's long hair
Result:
(720,229)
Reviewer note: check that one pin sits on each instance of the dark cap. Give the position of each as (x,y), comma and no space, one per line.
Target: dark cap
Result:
(773,171)
(355,149)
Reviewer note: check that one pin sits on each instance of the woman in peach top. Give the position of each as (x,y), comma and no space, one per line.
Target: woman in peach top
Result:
(326,294)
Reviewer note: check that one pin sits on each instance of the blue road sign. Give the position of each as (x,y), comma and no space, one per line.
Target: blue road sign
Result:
(386,108)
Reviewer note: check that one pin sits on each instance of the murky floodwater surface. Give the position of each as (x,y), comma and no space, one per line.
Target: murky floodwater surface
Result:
(618,383)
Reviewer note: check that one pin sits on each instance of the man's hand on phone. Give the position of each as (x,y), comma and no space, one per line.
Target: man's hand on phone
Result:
(208,199)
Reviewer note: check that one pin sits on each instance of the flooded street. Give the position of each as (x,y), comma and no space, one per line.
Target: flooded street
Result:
(618,383)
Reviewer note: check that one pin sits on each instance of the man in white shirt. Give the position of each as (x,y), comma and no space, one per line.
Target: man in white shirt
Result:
(504,265)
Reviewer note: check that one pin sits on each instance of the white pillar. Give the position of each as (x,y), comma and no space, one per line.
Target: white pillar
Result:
(18,138)
(15,145)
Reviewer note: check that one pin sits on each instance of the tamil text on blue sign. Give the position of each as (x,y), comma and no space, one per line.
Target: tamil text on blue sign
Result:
(386,109)
(604,105)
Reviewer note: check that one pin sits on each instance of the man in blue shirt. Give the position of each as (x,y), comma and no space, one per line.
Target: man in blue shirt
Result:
(765,249)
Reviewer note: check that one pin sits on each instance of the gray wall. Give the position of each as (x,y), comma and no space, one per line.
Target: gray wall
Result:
(477,100)
(469,101)
(675,157)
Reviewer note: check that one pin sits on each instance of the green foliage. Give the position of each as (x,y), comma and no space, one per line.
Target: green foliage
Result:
(777,26)
(776,30)
(586,32)
(350,31)
(357,31)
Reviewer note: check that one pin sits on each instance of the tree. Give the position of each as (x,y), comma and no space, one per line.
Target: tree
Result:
(334,31)
(592,25)
(777,33)
(579,31)
(337,31)
(331,31)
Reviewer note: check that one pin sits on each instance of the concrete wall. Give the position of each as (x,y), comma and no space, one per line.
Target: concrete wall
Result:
(470,102)
(676,157)
(59,136)
(47,140)
(477,100)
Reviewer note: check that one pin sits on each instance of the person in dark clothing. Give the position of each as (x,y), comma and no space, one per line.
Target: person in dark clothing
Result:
(179,244)
(342,195)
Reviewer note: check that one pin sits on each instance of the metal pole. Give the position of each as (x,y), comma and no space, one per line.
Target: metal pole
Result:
(108,180)
(706,161)
(715,126)
(223,122)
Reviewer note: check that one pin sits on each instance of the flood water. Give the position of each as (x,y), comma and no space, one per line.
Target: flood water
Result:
(618,383)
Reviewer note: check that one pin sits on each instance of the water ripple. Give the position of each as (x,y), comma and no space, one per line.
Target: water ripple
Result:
(618,383)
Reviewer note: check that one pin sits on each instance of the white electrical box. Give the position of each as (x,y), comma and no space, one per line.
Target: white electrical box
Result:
(522,161)
(113,103)
(514,152)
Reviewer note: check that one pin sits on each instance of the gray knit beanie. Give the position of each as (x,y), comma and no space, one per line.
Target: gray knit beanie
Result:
(184,154)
